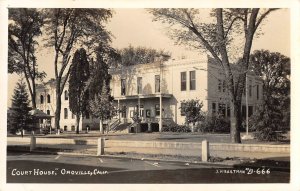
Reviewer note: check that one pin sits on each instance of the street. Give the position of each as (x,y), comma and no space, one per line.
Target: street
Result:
(25,167)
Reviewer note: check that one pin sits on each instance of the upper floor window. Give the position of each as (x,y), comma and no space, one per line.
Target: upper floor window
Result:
(48,99)
(65,113)
(123,86)
(139,85)
(48,112)
(192,80)
(66,95)
(183,81)
(42,99)
(157,83)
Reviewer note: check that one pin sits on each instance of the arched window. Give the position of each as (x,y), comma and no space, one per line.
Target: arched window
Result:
(65,113)
(66,95)
(42,99)
(48,98)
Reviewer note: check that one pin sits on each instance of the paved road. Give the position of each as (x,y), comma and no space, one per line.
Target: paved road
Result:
(43,168)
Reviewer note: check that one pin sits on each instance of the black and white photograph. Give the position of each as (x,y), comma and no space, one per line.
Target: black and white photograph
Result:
(101,95)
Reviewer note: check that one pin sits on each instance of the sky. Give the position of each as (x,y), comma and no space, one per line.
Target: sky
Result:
(135,27)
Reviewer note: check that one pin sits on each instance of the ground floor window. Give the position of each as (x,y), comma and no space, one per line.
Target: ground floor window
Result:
(72,128)
(123,111)
(65,128)
(222,109)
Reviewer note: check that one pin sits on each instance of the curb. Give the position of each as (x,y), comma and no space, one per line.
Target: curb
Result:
(148,159)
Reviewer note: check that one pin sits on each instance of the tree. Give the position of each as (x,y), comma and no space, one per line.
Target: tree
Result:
(70,28)
(217,38)
(20,118)
(273,118)
(191,109)
(78,93)
(140,55)
(23,30)
(102,106)
(99,69)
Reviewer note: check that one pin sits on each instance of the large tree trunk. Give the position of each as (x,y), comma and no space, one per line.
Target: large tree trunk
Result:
(101,126)
(77,123)
(33,98)
(235,121)
(58,106)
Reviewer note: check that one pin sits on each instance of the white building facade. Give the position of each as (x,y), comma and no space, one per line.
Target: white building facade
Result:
(46,102)
(156,90)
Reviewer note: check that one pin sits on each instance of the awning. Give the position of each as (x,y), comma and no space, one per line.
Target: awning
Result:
(39,114)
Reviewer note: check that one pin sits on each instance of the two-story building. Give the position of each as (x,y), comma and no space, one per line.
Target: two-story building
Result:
(156,90)
(46,102)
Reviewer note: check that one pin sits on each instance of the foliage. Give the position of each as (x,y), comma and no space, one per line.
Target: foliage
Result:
(20,117)
(216,36)
(191,109)
(214,124)
(78,94)
(70,28)
(140,55)
(102,106)
(176,128)
(273,118)
(99,69)
(23,30)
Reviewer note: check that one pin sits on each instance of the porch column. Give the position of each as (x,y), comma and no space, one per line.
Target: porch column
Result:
(160,113)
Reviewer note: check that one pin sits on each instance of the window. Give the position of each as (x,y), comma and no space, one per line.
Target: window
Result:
(214,109)
(224,85)
(250,88)
(65,113)
(123,87)
(182,106)
(157,83)
(48,99)
(66,95)
(65,128)
(42,99)
(157,110)
(48,112)
(87,115)
(139,85)
(228,110)
(123,111)
(250,111)
(73,116)
(257,91)
(183,81)
(222,109)
(192,80)
(219,85)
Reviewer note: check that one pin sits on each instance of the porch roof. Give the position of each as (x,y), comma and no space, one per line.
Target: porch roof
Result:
(143,96)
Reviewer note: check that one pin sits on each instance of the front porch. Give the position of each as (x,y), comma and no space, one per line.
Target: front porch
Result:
(147,111)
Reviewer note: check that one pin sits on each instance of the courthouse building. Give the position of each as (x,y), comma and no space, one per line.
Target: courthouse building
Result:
(156,90)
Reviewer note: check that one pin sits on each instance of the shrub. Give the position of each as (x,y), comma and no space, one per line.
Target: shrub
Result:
(214,124)
(176,128)
(265,127)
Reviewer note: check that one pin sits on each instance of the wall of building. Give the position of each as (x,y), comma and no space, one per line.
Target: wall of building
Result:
(67,122)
